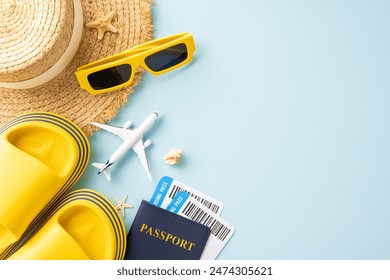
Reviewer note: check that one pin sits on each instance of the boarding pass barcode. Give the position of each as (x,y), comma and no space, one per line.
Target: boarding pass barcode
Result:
(198,215)
(213,207)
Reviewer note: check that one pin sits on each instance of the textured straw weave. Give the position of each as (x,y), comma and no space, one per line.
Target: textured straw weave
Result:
(33,36)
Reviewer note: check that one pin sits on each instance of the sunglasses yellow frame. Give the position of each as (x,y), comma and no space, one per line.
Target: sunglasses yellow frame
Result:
(135,57)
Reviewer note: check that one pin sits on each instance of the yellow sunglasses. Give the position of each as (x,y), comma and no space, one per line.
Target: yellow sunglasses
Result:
(157,56)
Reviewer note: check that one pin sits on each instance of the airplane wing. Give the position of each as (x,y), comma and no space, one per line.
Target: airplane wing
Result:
(123,133)
(139,149)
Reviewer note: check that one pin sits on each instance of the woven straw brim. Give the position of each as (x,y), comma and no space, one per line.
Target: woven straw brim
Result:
(63,94)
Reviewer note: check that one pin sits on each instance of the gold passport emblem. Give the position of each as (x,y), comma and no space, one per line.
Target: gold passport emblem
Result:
(167,237)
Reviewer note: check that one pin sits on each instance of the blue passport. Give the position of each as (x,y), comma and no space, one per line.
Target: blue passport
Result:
(158,234)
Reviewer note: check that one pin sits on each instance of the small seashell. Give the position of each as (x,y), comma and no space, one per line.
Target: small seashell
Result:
(173,157)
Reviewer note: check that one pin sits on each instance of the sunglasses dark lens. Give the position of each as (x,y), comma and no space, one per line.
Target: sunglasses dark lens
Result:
(110,77)
(167,58)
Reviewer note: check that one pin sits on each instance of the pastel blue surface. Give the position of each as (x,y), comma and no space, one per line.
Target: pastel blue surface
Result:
(283,116)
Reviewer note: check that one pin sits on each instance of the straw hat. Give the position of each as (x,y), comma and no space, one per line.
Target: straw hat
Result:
(42,42)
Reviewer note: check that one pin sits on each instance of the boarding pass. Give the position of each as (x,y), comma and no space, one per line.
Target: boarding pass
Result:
(187,206)
(168,187)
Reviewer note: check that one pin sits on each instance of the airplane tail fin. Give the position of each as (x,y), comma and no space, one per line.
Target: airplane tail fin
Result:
(103,168)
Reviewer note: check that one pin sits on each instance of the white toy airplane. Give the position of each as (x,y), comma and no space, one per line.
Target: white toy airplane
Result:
(132,138)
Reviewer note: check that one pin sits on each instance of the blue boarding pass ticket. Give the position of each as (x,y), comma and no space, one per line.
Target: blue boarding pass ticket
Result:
(168,187)
(187,206)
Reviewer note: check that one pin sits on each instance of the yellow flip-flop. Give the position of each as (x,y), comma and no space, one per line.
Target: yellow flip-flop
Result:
(84,225)
(42,155)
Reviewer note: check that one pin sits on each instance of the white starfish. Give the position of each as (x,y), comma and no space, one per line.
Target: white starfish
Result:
(122,205)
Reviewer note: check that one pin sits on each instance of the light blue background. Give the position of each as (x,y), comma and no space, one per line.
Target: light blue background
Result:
(283,116)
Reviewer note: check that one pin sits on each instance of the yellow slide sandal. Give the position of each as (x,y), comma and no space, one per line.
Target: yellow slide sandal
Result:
(42,155)
(84,226)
